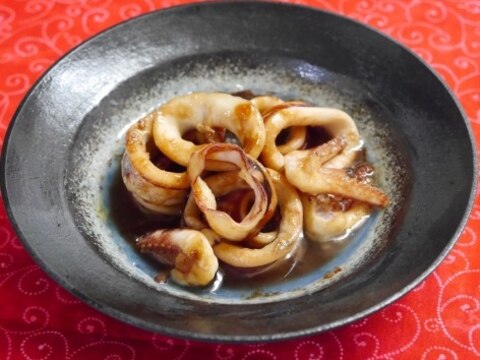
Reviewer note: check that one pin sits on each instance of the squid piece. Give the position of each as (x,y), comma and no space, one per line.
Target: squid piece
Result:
(336,122)
(192,216)
(155,190)
(206,110)
(268,105)
(249,173)
(149,197)
(136,141)
(296,139)
(284,105)
(306,171)
(246,202)
(262,238)
(323,223)
(287,237)
(188,251)
(266,102)
(222,184)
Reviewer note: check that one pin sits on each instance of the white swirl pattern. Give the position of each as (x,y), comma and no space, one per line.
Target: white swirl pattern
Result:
(440,319)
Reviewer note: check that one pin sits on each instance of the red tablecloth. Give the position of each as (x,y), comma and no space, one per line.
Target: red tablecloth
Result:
(440,319)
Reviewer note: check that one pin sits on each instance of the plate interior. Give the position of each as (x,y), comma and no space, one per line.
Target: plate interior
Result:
(102,206)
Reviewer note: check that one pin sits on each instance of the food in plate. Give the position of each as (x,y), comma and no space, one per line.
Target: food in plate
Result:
(248,178)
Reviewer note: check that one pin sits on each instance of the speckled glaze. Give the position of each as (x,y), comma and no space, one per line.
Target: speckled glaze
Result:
(62,148)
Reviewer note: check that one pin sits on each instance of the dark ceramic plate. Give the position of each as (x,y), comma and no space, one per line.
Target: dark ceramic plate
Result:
(60,165)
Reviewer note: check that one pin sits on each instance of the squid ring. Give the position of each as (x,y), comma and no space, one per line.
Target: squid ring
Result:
(149,197)
(136,142)
(265,103)
(306,171)
(336,122)
(224,183)
(297,137)
(262,238)
(219,221)
(188,251)
(268,105)
(245,203)
(287,237)
(221,184)
(199,110)
(323,225)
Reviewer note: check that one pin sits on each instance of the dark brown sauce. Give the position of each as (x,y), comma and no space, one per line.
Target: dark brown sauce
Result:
(316,136)
(245,94)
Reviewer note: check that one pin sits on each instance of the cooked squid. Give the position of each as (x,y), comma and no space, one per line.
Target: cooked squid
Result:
(220,221)
(336,123)
(326,218)
(306,170)
(297,135)
(154,189)
(225,183)
(188,251)
(265,103)
(220,184)
(244,155)
(151,198)
(136,141)
(286,239)
(206,111)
